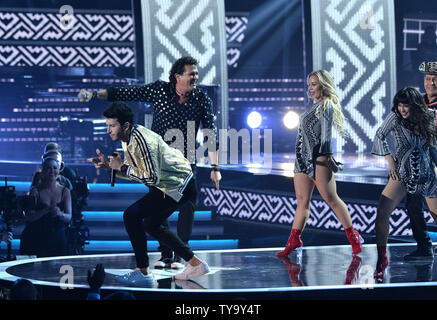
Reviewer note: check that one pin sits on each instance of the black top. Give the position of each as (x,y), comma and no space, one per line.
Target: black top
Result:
(431,104)
(46,222)
(169,114)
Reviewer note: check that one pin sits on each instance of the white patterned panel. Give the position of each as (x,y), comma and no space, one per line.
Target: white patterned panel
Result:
(280,209)
(23,36)
(355,41)
(235,34)
(176,28)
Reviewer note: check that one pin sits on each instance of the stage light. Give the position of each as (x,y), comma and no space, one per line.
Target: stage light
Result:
(254,119)
(291,120)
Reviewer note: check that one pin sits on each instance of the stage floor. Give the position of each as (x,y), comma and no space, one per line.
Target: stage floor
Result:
(243,273)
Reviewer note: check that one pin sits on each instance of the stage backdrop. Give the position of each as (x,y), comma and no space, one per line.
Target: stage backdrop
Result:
(172,29)
(355,41)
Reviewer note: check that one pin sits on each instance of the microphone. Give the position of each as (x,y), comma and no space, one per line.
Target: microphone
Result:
(113,172)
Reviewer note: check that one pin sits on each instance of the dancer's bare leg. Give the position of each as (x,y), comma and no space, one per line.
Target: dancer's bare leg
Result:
(326,185)
(303,187)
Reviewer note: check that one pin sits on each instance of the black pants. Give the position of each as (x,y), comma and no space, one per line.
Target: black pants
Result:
(148,215)
(417,220)
(185,221)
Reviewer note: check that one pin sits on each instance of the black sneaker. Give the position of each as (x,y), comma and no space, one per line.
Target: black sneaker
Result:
(163,263)
(420,254)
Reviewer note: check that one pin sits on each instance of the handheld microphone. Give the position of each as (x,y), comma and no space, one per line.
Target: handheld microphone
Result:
(113,172)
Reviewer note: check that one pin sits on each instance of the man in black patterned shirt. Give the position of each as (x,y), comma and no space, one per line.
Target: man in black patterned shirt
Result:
(180,105)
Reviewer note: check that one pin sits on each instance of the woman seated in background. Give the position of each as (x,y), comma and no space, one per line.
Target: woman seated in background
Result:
(44,233)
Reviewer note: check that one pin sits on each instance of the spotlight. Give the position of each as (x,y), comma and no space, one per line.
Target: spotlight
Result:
(254,119)
(291,120)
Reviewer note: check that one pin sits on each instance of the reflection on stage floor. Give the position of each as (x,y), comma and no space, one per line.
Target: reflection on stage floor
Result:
(241,271)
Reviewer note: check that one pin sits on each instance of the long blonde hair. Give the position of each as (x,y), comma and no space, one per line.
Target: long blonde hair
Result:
(330,95)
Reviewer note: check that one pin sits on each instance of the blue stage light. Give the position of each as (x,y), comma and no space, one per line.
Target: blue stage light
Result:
(291,120)
(254,119)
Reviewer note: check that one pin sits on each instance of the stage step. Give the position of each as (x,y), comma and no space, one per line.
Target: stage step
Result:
(103,216)
(117,216)
(108,225)
(117,246)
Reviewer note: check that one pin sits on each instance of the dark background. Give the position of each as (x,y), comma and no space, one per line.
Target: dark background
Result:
(268,77)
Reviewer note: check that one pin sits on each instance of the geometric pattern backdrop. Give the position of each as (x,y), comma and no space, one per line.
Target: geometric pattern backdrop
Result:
(236,25)
(355,41)
(34,37)
(172,29)
(276,208)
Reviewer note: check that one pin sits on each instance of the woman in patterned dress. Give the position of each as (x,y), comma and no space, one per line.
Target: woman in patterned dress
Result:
(314,165)
(412,168)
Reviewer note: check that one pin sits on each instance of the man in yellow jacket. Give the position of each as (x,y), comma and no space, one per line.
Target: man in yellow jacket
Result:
(149,160)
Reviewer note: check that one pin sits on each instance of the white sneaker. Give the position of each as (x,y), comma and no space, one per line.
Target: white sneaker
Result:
(177,265)
(191,272)
(162,263)
(137,277)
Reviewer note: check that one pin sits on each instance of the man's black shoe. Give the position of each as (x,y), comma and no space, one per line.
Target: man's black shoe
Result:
(420,254)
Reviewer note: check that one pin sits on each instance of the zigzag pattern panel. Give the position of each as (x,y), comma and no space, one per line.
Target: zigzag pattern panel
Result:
(37,39)
(173,29)
(66,56)
(247,205)
(235,34)
(354,41)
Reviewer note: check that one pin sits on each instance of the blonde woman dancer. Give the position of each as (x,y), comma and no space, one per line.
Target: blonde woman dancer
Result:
(314,165)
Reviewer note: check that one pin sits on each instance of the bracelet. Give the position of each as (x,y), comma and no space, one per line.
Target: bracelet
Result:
(216,169)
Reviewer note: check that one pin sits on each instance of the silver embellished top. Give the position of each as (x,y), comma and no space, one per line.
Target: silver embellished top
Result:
(415,158)
(313,139)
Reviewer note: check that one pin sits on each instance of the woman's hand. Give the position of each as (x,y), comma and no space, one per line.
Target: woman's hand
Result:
(55,212)
(392,172)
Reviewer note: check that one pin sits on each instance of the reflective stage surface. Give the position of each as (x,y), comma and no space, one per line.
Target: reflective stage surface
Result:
(237,273)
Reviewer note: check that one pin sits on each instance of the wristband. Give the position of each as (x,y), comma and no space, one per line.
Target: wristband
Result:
(124,169)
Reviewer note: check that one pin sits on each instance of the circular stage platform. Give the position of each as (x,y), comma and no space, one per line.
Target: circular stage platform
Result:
(314,272)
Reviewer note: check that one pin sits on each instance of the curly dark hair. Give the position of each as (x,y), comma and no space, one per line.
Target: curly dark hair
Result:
(120,111)
(420,116)
(179,67)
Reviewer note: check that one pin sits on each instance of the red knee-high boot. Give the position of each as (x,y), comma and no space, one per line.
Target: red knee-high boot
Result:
(354,239)
(294,241)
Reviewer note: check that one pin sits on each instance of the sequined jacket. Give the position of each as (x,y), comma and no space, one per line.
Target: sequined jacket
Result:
(313,139)
(149,160)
